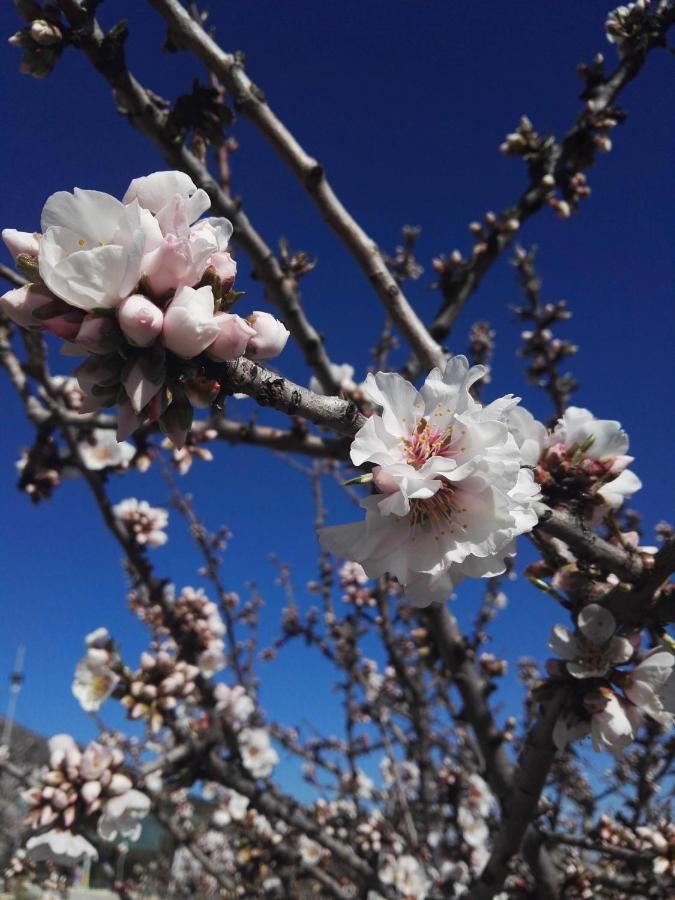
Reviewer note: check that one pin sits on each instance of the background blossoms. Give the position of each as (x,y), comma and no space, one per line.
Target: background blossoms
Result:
(142,287)
(452,493)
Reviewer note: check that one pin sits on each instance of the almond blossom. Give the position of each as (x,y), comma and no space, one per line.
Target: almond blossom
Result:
(143,522)
(122,816)
(61,847)
(141,287)
(257,753)
(595,648)
(94,680)
(91,248)
(651,686)
(102,451)
(451,491)
(406,874)
(581,456)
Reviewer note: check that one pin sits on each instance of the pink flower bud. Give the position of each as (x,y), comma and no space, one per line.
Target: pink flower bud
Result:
(90,791)
(233,336)
(189,325)
(140,320)
(120,784)
(66,325)
(170,266)
(226,269)
(21,243)
(270,336)
(20,304)
(45,33)
(98,334)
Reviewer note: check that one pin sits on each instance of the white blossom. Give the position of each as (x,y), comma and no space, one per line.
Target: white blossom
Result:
(94,680)
(613,721)
(651,686)
(61,847)
(452,494)
(257,753)
(407,875)
(101,450)
(91,248)
(122,816)
(595,648)
(310,851)
(234,702)
(144,522)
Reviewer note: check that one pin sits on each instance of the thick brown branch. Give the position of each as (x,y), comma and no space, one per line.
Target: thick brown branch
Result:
(529,778)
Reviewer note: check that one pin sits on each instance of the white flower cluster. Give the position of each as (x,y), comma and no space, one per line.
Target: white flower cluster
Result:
(582,457)
(160,687)
(143,522)
(76,786)
(593,652)
(452,492)
(141,286)
(198,619)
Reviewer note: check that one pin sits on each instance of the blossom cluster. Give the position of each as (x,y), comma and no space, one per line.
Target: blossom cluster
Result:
(452,492)
(78,786)
(142,287)
(582,464)
(144,523)
(612,702)
(455,482)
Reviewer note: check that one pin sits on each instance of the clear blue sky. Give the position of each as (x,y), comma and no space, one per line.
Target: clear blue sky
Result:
(405,102)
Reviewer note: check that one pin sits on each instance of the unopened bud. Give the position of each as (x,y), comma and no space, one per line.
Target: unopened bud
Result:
(45,33)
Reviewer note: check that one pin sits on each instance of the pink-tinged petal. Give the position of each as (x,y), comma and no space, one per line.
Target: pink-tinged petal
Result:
(620,488)
(66,326)
(373,443)
(154,191)
(92,215)
(189,324)
(140,320)
(21,304)
(21,243)
(401,403)
(270,336)
(233,336)
(98,334)
(226,269)
(170,266)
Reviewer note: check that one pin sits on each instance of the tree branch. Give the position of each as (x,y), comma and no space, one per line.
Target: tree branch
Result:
(249,100)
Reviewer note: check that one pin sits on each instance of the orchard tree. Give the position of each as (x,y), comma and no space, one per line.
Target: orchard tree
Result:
(447,485)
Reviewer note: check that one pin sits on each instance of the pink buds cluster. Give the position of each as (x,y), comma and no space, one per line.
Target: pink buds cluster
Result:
(143,522)
(76,784)
(198,625)
(354,583)
(157,687)
(142,288)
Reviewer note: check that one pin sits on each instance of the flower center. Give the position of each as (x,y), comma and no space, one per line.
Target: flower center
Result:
(424,443)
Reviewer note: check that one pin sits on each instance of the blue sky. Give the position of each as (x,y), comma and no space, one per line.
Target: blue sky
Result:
(405,102)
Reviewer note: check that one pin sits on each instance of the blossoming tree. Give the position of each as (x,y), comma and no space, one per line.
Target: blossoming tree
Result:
(142,290)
